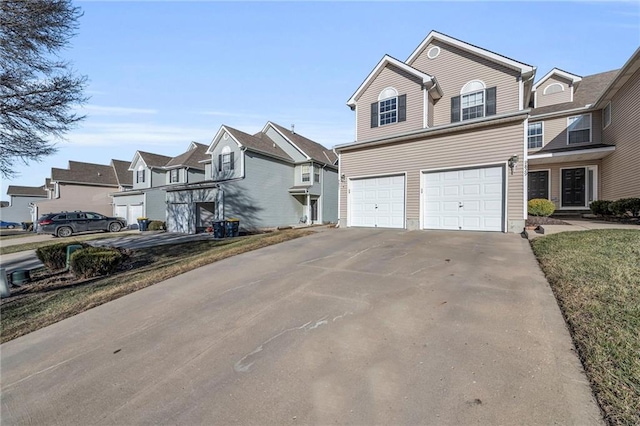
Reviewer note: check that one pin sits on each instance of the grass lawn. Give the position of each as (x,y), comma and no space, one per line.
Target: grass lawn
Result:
(595,276)
(82,237)
(53,297)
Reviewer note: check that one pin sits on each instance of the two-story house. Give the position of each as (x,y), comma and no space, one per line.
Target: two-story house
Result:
(584,137)
(83,186)
(21,198)
(459,137)
(152,174)
(440,141)
(275,177)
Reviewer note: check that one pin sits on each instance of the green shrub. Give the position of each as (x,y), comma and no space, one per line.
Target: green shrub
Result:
(625,207)
(95,261)
(600,207)
(54,257)
(541,207)
(156,225)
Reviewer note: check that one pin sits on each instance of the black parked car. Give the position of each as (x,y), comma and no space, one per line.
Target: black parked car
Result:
(64,224)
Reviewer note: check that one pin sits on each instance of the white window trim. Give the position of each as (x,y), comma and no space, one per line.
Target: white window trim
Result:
(590,129)
(316,172)
(484,104)
(177,171)
(302,173)
(383,99)
(593,167)
(529,124)
(544,92)
(465,91)
(604,123)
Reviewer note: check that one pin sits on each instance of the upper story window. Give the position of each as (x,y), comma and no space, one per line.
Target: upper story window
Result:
(553,88)
(316,174)
(225,160)
(579,129)
(606,116)
(534,135)
(475,101)
(389,109)
(306,174)
(140,175)
(174,176)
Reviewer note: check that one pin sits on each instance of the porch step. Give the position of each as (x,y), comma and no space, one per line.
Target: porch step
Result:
(570,214)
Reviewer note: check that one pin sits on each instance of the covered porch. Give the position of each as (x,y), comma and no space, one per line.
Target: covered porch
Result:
(309,203)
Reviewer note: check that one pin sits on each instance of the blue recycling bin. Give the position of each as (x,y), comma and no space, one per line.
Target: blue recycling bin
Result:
(218,228)
(232,227)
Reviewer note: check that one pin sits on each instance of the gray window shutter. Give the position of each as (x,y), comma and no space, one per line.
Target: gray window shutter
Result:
(490,106)
(374,114)
(231,159)
(455,109)
(219,162)
(402,108)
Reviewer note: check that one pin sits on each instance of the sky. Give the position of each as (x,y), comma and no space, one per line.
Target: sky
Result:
(163,74)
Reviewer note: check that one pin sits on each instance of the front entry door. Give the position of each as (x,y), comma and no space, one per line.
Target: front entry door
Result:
(573,187)
(314,210)
(538,184)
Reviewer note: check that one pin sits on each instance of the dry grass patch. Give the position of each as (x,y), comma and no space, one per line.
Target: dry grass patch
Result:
(595,276)
(54,297)
(33,246)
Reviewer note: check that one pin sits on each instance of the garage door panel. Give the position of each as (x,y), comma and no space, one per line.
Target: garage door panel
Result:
(470,199)
(378,202)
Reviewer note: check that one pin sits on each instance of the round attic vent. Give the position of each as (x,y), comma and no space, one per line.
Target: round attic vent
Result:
(225,136)
(433,52)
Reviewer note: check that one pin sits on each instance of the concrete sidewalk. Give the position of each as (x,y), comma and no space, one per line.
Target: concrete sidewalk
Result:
(579,225)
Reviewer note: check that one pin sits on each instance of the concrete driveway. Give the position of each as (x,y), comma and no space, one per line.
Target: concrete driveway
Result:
(348,326)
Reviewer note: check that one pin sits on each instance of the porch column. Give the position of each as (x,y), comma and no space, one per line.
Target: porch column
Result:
(308,209)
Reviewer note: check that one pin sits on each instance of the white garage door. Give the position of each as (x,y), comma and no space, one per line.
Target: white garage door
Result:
(120,211)
(134,213)
(470,200)
(377,202)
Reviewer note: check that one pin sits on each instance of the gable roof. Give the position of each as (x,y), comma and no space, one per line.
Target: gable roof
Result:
(557,71)
(121,169)
(426,79)
(85,173)
(311,149)
(260,143)
(192,158)
(525,69)
(585,93)
(26,191)
(624,74)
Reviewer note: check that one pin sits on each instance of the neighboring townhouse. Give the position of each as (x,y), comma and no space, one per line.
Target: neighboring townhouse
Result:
(458,137)
(275,177)
(440,141)
(19,207)
(152,174)
(82,186)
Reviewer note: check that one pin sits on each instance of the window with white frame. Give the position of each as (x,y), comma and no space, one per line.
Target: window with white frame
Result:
(306,174)
(534,135)
(388,106)
(174,176)
(316,174)
(606,116)
(225,160)
(579,129)
(472,100)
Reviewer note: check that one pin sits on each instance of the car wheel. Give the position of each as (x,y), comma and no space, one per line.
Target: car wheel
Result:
(114,227)
(64,231)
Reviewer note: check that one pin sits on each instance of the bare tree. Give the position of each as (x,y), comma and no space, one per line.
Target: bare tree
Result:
(38,90)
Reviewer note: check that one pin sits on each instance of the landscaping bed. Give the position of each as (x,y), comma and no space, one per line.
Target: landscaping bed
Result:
(52,296)
(595,276)
(543,220)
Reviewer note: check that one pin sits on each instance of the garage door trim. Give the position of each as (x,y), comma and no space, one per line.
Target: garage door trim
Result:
(505,185)
(359,177)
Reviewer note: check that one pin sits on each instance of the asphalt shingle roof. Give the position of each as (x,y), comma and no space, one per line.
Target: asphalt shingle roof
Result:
(123,175)
(585,92)
(29,191)
(79,172)
(259,142)
(154,160)
(190,158)
(313,149)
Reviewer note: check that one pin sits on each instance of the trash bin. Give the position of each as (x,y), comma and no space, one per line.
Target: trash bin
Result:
(233,227)
(218,228)
(143,224)
(70,249)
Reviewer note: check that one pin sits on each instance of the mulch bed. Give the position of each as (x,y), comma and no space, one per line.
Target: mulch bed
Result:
(542,220)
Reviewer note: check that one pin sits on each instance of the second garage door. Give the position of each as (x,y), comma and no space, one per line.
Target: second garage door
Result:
(377,202)
(470,199)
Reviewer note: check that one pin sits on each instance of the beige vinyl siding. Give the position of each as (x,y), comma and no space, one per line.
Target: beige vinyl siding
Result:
(430,108)
(553,98)
(489,146)
(453,68)
(556,179)
(621,169)
(555,131)
(79,197)
(405,84)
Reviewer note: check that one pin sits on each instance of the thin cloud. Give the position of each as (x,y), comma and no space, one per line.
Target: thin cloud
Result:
(110,111)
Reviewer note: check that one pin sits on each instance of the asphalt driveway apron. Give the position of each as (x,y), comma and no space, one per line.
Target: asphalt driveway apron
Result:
(348,326)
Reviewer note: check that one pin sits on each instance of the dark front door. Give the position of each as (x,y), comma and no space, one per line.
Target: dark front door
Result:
(314,210)
(539,185)
(573,187)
